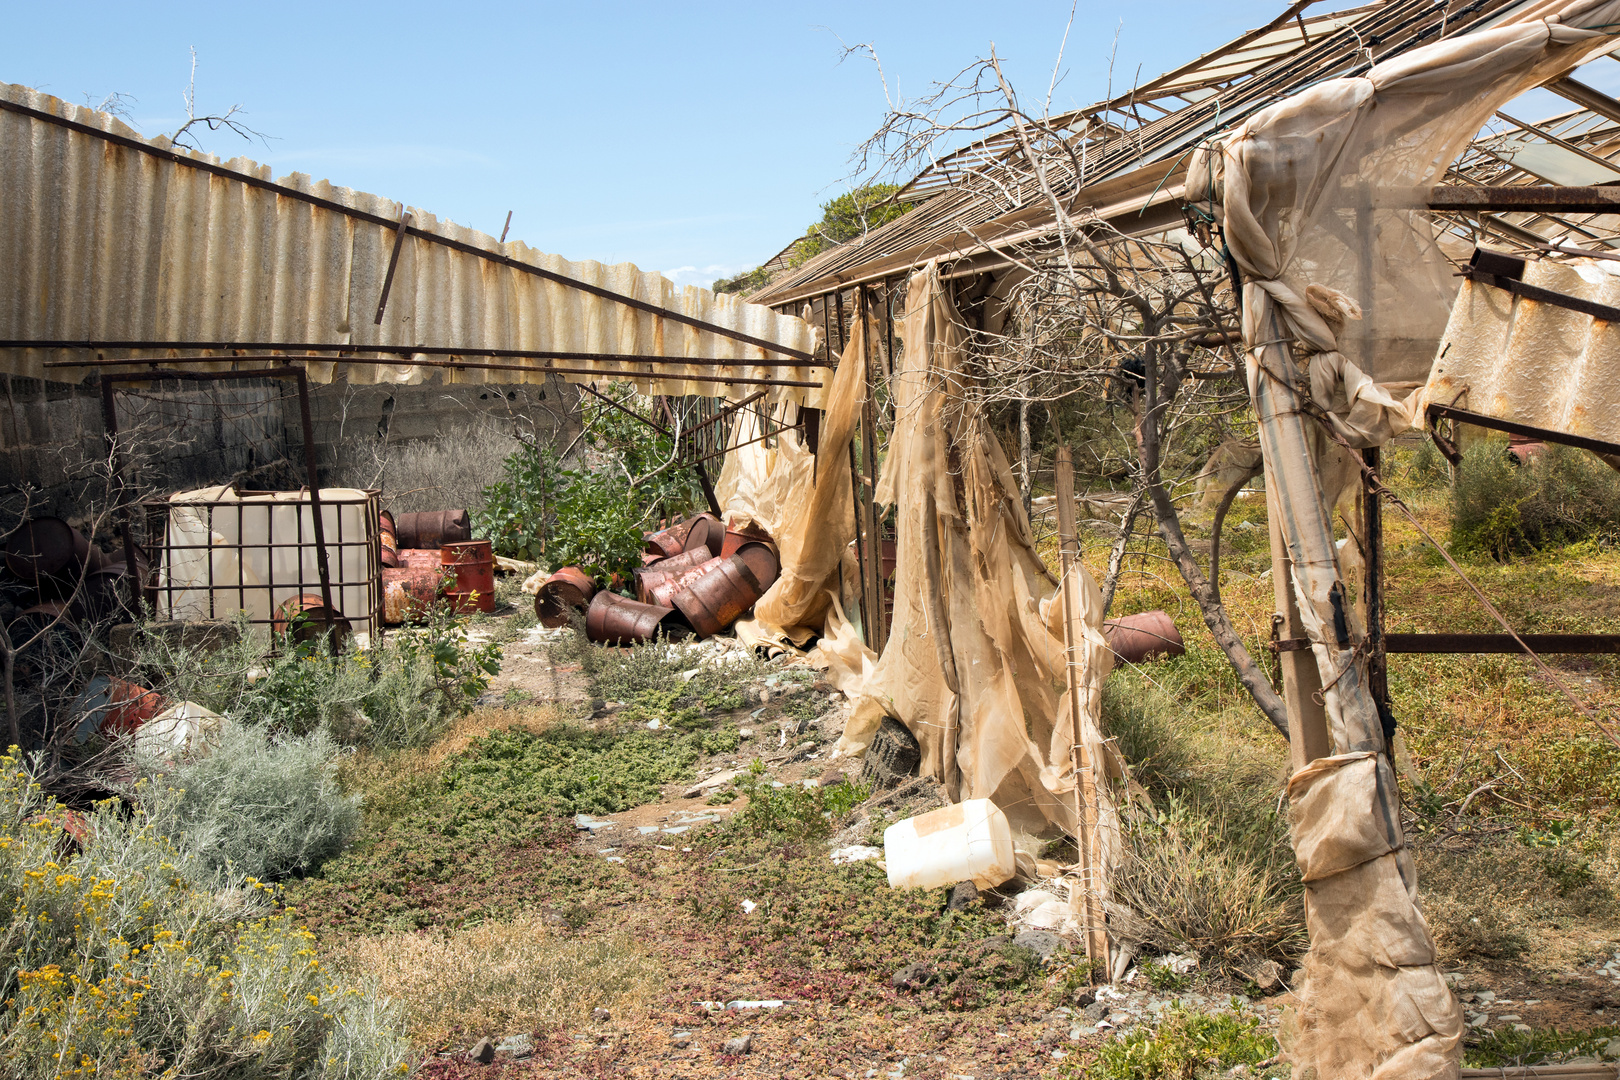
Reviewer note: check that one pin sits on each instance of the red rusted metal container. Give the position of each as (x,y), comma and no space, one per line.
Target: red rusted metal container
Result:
(614,620)
(49,554)
(705,530)
(129,705)
(667,542)
(305,618)
(473,562)
(432,528)
(720,597)
(1136,638)
(763,561)
(664,569)
(567,591)
(409,592)
(420,558)
(662,588)
(388,534)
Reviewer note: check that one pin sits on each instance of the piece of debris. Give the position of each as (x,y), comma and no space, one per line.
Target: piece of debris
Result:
(742,1044)
(713,783)
(963,893)
(1266,974)
(585,821)
(600,1015)
(482,1053)
(516,1046)
(681,1040)
(893,756)
(855,853)
(749,907)
(832,778)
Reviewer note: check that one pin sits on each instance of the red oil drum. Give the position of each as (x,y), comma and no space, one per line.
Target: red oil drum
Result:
(409,592)
(664,569)
(615,620)
(473,563)
(433,528)
(567,591)
(389,536)
(1136,638)
(705,530)
(129,705)
(420,558)
(661,588)
(720,597)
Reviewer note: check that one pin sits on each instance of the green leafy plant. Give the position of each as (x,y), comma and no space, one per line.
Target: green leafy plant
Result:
(1187,1046)
(1502,507)
(793,811)
(849,215)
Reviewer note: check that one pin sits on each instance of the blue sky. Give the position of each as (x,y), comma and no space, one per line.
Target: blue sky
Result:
(691,138)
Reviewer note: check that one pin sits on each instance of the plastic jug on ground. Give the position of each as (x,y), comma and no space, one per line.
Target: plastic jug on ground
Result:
(970,841)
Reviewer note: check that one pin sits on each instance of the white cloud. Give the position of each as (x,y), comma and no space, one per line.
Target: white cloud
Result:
(704,275)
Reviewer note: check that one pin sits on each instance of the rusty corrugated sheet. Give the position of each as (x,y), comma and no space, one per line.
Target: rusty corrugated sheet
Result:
(100,241)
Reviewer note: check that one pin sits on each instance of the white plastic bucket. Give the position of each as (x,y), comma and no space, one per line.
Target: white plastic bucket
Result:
(970,841)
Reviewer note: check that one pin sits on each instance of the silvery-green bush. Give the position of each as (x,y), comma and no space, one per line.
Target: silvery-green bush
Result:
(257,804)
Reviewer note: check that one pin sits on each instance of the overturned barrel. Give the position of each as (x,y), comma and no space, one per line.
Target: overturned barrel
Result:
(306,617)
(433,528)
(615,620)
(705,530)
(663,570)
(661,588)
(50,555)
(567,591)
(409,592)
(1149,634)
(720,597)
(473,563)
(388,536)
(664,543)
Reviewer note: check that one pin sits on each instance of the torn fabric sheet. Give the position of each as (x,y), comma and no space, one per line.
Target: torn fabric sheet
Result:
(1322,203)
(973,667)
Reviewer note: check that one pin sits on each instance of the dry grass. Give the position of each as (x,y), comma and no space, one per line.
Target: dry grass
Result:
(1499,899)
(501,978)
(429,474)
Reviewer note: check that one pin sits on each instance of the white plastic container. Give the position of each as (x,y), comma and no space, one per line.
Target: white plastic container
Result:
(970,841)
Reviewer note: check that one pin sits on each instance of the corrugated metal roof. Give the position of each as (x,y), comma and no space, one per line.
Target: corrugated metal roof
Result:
(106,236)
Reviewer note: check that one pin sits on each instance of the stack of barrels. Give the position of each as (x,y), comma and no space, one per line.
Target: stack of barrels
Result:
(429,555)
(698,577)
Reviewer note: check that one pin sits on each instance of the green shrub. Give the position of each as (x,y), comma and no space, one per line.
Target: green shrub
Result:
(397,693)
(1187,1046)
(257,805)
(592,516)
(126,959)
(1503,508)
(793,811)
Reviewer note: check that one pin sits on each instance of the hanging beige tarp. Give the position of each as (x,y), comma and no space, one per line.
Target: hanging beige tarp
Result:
(1321,199)
(109,236)
(974,665)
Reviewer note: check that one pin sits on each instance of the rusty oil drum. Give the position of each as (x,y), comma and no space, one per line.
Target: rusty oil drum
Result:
(432,528)
(615,620)
(388,535)
(720,597)
(409,592)
(705,530)
(473,563)
(1136,638)
(662,588)
(129,705)
(49,554)
(664,569)
(665,543)
(420,558)
(567,591)
(305,618)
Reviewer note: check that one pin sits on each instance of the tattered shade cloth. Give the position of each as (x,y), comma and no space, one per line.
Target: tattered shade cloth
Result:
(1321,201)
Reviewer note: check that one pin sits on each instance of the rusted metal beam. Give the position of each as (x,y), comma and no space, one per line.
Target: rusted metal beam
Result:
(391,350)
(1449,412)
(546,369)
(1529,200)
(393,262)
(1501,643)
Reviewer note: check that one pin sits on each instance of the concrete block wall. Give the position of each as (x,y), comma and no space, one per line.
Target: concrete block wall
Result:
(53,444)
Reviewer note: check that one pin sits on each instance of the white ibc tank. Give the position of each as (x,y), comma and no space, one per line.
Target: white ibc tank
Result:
(970,841)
